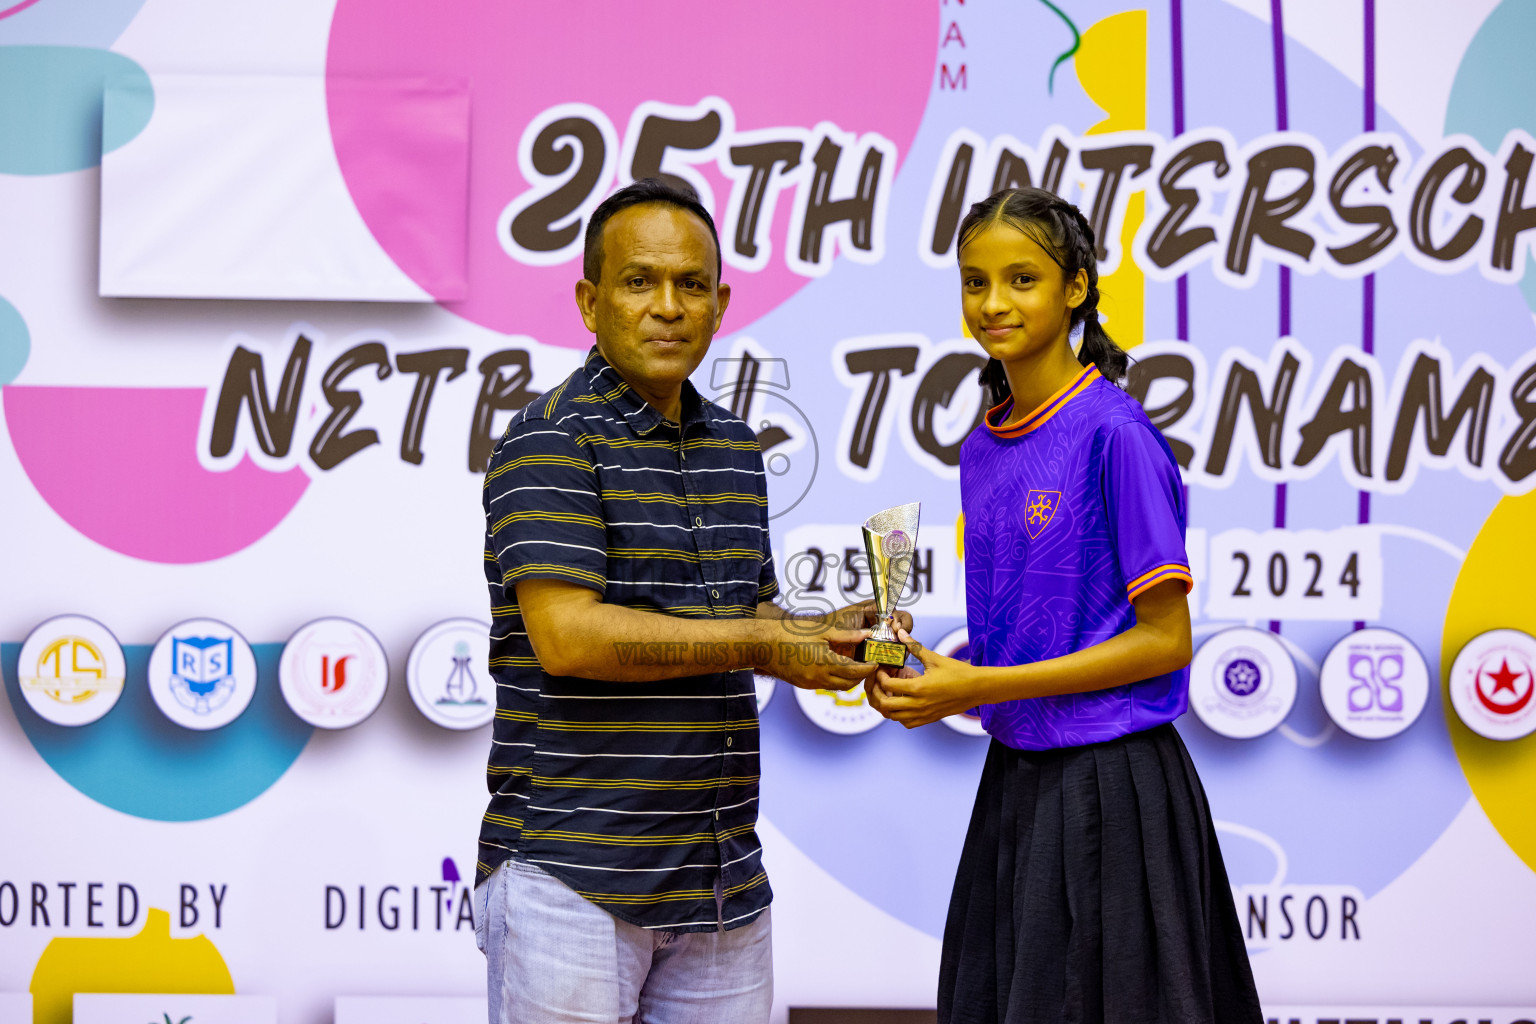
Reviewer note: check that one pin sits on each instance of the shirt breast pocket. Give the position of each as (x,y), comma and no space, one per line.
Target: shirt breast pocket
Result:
(731,558)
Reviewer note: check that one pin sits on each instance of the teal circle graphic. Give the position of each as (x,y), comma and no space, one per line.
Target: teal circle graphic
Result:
(15,342)
(51,116)
(1495,89)
(137,761)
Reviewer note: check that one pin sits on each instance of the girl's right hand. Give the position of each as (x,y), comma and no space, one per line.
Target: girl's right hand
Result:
(945,687)
(878,694)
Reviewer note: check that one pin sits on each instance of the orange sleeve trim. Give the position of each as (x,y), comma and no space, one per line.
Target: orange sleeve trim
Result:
(1147,580)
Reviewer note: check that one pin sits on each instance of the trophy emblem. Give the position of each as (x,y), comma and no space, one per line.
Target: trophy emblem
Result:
(890,541)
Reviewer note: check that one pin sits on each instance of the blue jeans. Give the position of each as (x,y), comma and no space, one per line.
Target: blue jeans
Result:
(552,957)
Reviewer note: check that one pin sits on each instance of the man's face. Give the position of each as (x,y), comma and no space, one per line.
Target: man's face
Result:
(658,304)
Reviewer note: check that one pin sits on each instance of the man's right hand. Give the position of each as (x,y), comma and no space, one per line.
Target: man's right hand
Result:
(814,656)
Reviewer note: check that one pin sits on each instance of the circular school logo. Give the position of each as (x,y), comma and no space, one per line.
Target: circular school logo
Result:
(71,670)
(957,644)
(202,674)
(1242,683)
(1493,684)
(333,673)
(845,712)
(765,687)
(1374,683)
(448,676)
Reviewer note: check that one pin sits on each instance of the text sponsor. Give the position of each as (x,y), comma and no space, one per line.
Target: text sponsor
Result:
(1280,915)
(108,906)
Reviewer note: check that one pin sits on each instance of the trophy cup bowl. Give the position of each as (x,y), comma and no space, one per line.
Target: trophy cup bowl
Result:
(890,542)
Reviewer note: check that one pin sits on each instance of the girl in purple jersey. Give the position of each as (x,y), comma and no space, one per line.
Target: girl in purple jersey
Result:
(1091,887)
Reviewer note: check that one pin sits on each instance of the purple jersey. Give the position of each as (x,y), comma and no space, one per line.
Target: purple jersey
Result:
(1069,514)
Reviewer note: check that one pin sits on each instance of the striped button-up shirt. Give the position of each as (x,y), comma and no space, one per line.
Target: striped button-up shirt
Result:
(642,797)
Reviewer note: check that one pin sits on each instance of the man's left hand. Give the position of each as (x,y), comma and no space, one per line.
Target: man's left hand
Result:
(864,616)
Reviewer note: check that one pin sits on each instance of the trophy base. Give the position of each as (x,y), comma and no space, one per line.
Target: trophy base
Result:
(892,653)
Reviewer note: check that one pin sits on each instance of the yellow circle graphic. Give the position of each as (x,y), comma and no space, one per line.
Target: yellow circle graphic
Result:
(1493,592)
(150,961)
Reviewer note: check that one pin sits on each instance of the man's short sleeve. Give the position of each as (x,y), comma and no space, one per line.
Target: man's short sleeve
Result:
(767,580)
(544,514)
(1145,502)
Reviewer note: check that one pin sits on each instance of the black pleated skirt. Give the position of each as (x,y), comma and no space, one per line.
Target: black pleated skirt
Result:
(1091,889)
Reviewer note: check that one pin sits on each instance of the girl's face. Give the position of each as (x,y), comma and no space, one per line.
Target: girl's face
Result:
(1013,295)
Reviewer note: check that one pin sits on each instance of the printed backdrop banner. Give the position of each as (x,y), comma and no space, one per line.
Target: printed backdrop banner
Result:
(242,629)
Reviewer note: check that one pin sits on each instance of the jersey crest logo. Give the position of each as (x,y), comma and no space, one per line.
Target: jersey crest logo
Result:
(1039,507)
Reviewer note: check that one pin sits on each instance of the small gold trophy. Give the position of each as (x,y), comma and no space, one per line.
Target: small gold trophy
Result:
(890,541)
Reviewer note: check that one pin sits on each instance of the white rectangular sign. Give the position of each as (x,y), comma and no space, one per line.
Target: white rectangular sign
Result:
(233,190)
(1328,575)
(1325,1014)
(410,1009)
(172,1008)
(824,566)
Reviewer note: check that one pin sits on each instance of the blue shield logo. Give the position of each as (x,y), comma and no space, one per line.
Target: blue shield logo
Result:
(202,671)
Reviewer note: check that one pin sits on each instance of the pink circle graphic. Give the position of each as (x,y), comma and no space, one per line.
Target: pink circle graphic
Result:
(795,63)
(120,465)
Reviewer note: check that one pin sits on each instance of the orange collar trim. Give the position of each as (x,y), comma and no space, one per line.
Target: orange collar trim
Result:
(1050,407)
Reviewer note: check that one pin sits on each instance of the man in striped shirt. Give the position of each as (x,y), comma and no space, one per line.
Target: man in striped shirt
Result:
(631,588)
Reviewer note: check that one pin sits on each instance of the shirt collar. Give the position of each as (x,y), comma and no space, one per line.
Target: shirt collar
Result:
(640,414)
(1050,407)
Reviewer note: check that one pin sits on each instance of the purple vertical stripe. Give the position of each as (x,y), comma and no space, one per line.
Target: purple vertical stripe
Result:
(1285,302)
(1277,35)
(1274,624)
(1368,315)
(1370,65)
(1282,123)
(1176,32)
(1368,286)
(1181,287)
(1176,12)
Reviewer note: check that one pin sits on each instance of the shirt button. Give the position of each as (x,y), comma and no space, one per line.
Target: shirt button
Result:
(714,593)
(698,521)
(727,741)
(717,815)
(684,456)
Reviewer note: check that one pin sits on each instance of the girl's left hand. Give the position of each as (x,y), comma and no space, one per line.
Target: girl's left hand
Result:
(945,687)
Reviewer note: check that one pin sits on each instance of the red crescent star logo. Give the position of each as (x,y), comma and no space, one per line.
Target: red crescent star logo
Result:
(1503,679)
